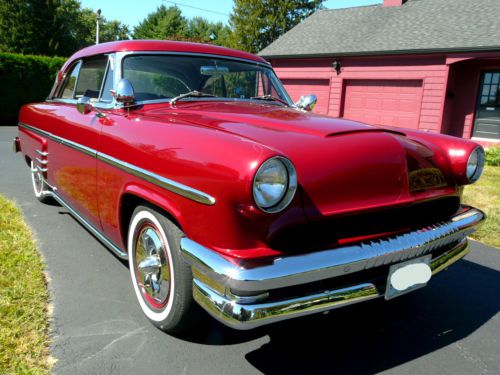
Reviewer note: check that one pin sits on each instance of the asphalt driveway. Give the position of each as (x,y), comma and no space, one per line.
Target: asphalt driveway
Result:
(450,327)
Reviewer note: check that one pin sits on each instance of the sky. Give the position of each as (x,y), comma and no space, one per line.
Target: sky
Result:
(131,12)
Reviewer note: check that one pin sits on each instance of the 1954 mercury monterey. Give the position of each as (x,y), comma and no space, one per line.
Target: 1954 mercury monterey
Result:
(192,162)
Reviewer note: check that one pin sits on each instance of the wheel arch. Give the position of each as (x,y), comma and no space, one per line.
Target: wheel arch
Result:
(134,196)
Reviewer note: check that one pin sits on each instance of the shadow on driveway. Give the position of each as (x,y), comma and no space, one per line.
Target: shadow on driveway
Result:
(379,335)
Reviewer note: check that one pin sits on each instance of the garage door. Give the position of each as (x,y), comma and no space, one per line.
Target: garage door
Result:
(384,102)
(319,87)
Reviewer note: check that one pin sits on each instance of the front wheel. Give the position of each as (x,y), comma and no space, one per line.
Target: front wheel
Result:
(40,188)
(162,281)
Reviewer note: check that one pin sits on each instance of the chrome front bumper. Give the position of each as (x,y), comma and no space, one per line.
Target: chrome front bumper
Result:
(242,298)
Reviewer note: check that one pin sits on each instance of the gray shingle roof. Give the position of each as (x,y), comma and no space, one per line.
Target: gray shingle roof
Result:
(416,26)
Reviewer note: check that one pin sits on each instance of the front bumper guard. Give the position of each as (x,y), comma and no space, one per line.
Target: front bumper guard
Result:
(236,296)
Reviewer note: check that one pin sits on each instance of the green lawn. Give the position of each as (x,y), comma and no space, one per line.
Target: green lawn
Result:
(485,194)
(24,340)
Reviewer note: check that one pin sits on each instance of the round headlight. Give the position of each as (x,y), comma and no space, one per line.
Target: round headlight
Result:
(274,184)
(475,164)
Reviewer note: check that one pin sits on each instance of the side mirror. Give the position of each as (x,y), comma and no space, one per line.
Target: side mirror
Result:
(124,93)
(307,102)
(83,105)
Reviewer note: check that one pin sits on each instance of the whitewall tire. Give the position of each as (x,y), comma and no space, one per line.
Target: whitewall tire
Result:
(162,281)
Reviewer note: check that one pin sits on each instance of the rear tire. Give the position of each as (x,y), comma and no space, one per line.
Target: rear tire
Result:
(162,281)
(40,187)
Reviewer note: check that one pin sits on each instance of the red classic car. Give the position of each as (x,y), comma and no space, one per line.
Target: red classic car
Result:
(192,162)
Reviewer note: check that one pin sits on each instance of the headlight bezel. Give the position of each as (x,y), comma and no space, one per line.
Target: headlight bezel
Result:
(478,153)
(285,200)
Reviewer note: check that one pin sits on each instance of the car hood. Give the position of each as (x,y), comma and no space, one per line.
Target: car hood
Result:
(258,121)
(342,165)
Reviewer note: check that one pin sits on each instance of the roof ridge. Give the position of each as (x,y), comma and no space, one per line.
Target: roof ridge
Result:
(349,8)
(418,25)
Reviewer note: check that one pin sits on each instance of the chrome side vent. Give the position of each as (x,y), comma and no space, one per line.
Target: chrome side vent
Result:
(41,161)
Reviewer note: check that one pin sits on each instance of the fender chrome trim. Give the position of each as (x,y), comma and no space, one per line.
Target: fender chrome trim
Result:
(306,268)
(175,187)
(163,182)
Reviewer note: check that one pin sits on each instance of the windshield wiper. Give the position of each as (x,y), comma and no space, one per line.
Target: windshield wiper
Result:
(270,98)
(190,94)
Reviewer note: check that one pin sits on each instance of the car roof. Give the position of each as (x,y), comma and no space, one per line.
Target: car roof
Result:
(161,46)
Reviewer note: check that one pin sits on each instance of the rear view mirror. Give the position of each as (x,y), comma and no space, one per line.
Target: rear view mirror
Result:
(124,93)
(83,105)
(307,103)
(211,70)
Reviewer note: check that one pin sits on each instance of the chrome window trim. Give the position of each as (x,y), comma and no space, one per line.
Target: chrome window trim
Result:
(163,182)
(61,87)
(121,55)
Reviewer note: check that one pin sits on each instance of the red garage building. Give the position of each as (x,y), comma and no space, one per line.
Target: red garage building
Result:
(432,65)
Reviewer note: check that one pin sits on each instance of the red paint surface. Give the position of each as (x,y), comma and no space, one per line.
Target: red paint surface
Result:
(159,45)
(216,147)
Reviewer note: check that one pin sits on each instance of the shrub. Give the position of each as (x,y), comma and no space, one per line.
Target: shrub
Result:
(24,79)
(493,156)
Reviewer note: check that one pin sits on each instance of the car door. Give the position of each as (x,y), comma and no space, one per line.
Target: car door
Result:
(72,160)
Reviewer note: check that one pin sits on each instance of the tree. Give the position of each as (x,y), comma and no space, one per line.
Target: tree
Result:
(52,27)
(257,23)
(169,24)
(85,27)
(204,31)
(164,23)
(42,27)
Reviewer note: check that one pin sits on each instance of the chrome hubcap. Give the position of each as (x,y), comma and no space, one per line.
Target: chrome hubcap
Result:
(152,265)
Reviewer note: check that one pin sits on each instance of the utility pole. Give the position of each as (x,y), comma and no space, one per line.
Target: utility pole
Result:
(98,18)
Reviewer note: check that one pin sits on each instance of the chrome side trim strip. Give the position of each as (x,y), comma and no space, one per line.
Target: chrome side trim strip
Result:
(101,237)
(175,187)
(241,315)
(306,268)
(165,183)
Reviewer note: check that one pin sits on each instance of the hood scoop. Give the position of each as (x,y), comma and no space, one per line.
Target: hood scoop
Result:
(369,130)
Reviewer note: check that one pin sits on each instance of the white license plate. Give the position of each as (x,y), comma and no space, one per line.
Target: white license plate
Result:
(407,276)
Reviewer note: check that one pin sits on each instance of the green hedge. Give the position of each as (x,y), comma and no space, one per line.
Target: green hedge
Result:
(24,79)
(493,156)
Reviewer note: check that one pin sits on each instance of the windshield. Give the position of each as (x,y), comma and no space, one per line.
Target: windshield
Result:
(158,77)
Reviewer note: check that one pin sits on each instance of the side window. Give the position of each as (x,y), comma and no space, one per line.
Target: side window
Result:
(91,77)
(68,88)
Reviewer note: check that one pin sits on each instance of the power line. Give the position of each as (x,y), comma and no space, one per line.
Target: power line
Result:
(193,7)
